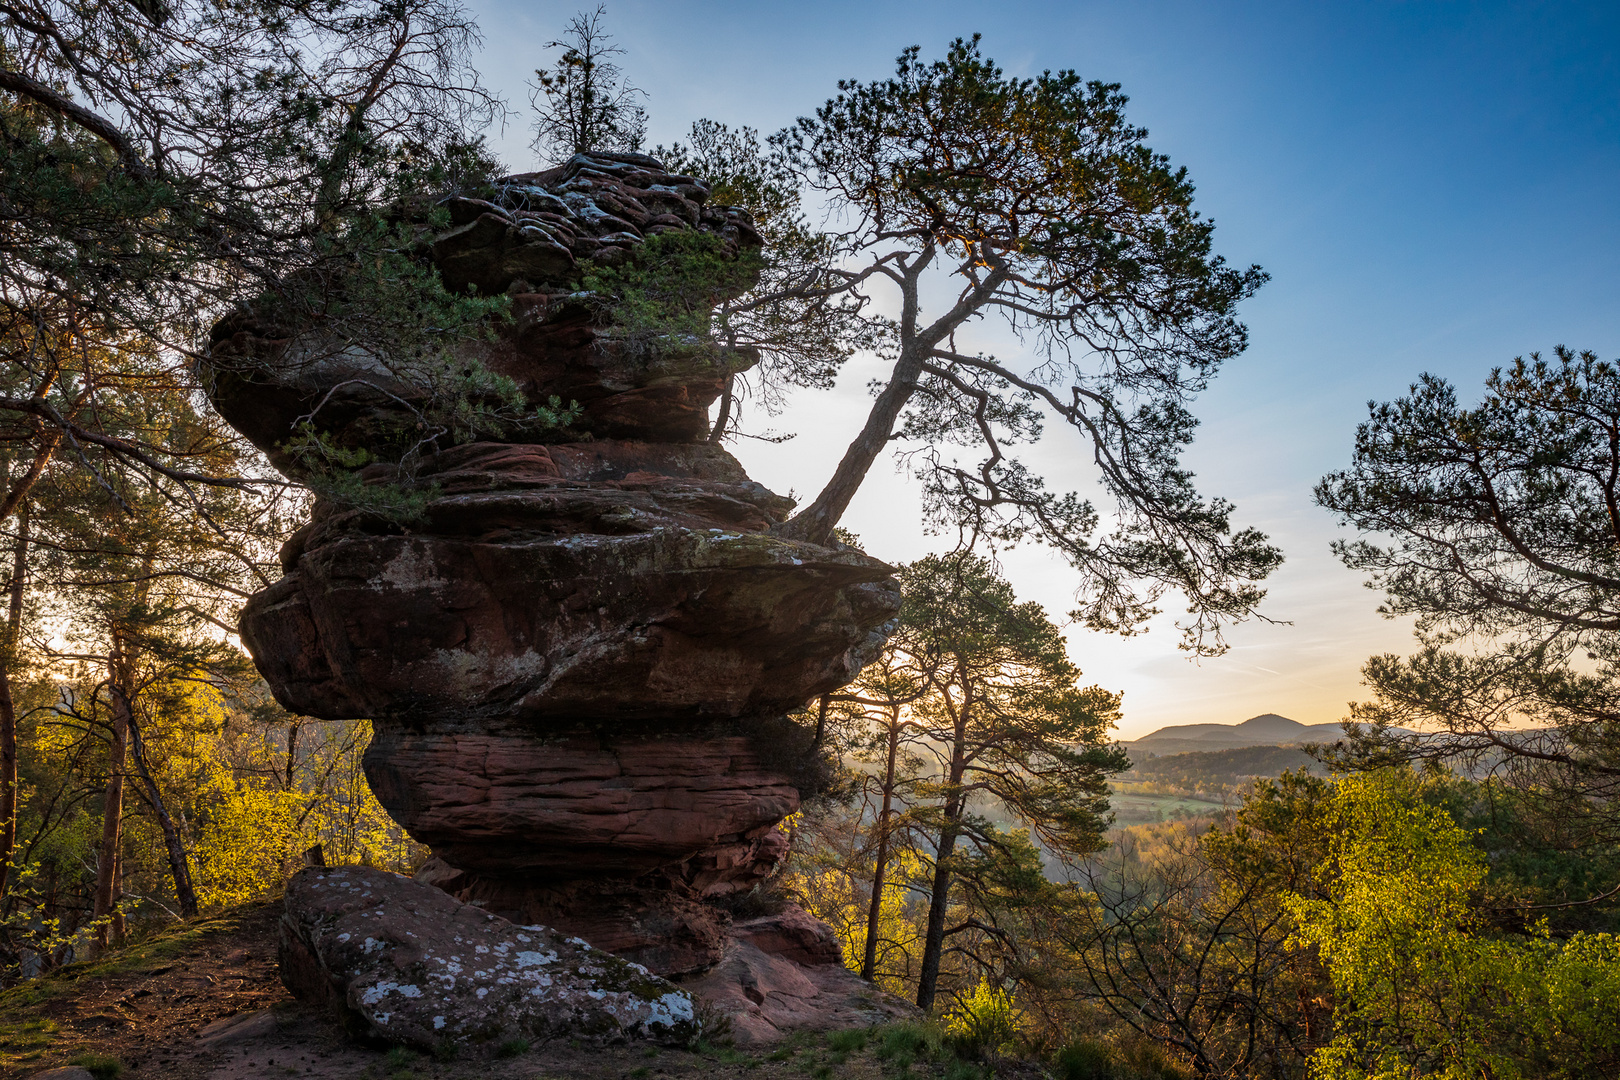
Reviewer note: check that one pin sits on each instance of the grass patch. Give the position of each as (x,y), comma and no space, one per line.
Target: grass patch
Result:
(398,1059)
(1088,1059)
(725,1055)
(513,1048)
(903,1044)
(24,1035)
(101,1066)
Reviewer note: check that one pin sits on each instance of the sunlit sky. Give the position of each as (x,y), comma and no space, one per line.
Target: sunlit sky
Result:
(1432,186)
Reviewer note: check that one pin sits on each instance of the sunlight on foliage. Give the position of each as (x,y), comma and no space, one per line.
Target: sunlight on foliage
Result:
(986,1019)
(1425,987)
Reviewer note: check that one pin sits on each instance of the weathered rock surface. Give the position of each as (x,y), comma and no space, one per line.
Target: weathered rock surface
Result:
(662,928)
(765,997)
(532,237)
(577,660)
(792,935)
(575,666)
(704,623)
(574,807)
(407,963)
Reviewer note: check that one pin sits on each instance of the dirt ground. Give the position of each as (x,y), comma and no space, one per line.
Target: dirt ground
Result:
(145,1013)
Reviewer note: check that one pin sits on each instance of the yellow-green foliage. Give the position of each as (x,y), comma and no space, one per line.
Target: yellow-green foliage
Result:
(841,901)
(245,809)
(986,1019)
(1423,986)
(248,840)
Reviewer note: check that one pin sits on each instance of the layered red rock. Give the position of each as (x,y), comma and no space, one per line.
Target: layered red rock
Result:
(579,656)
(564,807)
(532,238)
(552,595)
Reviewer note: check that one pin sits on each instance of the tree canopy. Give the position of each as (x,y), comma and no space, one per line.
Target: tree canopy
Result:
(961,194)
(1498,527)
(162,163)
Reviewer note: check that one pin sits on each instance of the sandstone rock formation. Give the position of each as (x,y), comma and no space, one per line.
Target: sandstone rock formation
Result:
(407,963)
(531,239)
(578,657)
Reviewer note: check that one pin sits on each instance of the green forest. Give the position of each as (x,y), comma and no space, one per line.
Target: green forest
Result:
(1435,895)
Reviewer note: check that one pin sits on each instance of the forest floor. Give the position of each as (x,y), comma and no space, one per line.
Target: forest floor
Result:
(144,1013)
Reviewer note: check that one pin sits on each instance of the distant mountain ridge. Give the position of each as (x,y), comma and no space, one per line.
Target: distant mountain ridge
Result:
(1267,729)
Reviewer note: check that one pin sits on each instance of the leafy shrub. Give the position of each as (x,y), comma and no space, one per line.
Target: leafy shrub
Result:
(102,1066)
(1085,1060)
(986,1020)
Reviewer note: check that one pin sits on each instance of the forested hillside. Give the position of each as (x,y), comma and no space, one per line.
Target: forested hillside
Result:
(1221,772)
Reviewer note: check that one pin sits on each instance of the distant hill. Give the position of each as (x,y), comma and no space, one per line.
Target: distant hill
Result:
(1268,729)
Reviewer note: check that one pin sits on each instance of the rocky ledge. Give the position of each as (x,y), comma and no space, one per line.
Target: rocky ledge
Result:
(533,238)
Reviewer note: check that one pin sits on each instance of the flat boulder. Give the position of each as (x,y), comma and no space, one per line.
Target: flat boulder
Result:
(405,963)
(763,997)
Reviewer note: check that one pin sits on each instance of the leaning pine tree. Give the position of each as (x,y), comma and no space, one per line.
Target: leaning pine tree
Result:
(1034,201)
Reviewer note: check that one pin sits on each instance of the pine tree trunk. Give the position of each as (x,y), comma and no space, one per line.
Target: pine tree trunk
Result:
(934,939)
(722,421)
(179,860)
(109,879)
(815,523)
(8,708)
(875,911)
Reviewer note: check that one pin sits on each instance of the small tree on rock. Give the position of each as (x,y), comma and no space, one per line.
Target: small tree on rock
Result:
(583,102)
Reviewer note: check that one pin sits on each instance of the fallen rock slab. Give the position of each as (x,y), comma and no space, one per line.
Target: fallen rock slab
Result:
(765,998)
(406,963)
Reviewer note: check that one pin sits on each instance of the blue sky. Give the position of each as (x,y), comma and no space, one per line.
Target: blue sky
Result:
(1432,186)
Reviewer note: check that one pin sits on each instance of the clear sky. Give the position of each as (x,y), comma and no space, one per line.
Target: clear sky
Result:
(1433,186)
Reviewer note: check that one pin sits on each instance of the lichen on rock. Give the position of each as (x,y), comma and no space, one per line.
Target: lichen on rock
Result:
(411,965)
